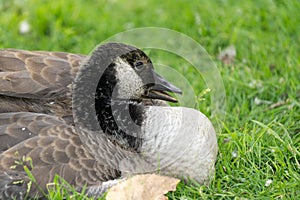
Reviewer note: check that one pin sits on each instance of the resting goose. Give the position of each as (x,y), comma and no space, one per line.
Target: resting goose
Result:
(93,120)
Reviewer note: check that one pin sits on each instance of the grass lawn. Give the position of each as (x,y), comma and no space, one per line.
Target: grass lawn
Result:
(259,144)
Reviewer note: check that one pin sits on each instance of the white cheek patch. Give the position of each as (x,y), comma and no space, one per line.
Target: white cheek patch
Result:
(129,83)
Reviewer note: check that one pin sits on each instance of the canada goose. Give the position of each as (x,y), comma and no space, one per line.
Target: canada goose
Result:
(92,133)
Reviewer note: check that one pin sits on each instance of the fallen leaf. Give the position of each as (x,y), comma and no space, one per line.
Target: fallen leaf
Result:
(226,140)
(272,67)
(146,187)
(278,104)
(227,56)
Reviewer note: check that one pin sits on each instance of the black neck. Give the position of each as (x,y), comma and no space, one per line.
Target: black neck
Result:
(120,119)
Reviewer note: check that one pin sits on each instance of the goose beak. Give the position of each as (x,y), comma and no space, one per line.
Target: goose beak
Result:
(160,88)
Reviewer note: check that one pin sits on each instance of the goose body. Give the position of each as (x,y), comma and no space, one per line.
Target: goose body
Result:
(93,120)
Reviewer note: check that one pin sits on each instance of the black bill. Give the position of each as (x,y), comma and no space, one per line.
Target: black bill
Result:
(160,88)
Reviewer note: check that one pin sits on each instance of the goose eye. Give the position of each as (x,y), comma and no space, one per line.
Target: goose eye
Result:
(139,65)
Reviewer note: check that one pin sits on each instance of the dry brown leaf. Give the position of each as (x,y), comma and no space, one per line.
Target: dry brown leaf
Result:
(146,187)
(227,56)
(278,104)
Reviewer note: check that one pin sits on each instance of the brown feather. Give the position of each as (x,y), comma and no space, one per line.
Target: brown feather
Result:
(38,82)
(54,147)
(37,74)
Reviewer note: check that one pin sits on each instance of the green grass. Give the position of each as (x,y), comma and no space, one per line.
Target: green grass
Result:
(258,142)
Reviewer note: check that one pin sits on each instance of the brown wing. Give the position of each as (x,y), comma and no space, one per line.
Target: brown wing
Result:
(37,74)
(53,147)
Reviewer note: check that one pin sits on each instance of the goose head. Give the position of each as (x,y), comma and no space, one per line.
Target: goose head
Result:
(131,77)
